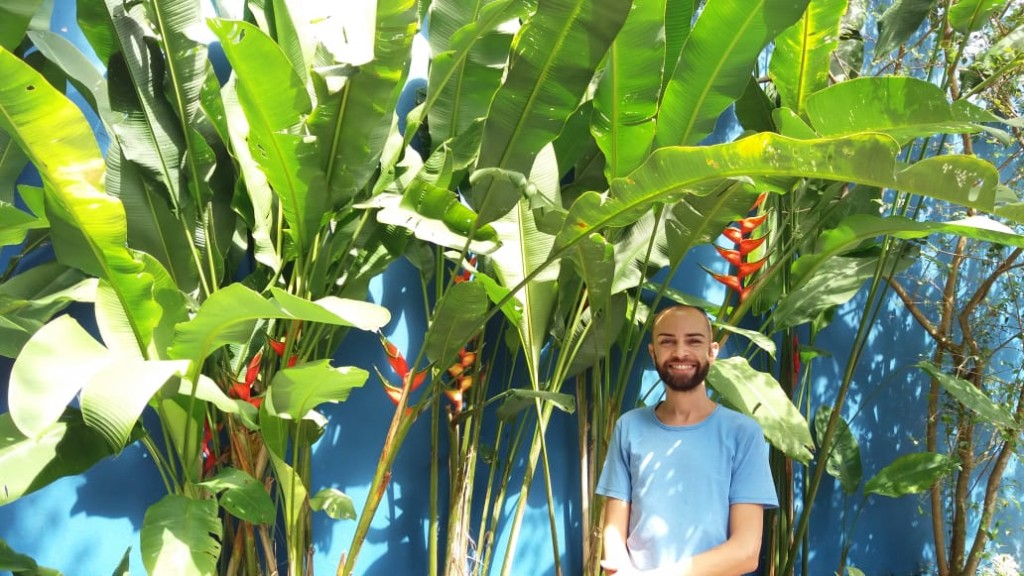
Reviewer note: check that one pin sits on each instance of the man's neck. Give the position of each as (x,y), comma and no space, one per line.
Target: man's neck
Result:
(685,408)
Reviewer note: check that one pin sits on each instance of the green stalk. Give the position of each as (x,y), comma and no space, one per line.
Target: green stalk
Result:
(432,524)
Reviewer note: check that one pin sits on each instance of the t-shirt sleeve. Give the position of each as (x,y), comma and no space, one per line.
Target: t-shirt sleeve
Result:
(615,481)
(751,475)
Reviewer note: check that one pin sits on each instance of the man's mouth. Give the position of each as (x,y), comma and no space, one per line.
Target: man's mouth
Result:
(686,367)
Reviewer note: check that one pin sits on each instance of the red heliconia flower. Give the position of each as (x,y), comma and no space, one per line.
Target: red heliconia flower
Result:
(733,257)
(748,245)
(209,458)
(731,282)
(760,199)
(745,269)
(293,360)
(455,397)
(747,225)
(734,234)
(253,370)
(467,273)
(400,366)
(278,346)
(796,356)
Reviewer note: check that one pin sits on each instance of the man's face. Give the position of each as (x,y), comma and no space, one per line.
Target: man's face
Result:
(682,349)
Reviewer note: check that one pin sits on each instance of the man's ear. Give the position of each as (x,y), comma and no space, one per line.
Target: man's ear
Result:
(650,350)
(714,350)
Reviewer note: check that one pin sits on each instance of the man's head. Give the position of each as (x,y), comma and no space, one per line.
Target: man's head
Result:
(681,347)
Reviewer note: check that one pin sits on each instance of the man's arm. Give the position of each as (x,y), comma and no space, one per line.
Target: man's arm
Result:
(616,527)
(736,556)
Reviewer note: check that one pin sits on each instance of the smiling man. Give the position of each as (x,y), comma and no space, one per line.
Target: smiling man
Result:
(687,480)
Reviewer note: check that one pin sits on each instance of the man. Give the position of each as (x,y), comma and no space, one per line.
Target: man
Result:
(686,481)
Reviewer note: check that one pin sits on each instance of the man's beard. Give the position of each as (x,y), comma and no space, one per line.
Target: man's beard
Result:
(682,383)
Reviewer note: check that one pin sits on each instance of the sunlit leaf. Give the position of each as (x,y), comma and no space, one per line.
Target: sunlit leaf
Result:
(181,535)
(843,460)
(899,22)
(716,63)
(760,396)
(518,399)
(65,448)
(800,61)
(295,391)
(548,74)
(973,398)
(968,16)
(910,474)
(334,503)
(242,496)
(456,319)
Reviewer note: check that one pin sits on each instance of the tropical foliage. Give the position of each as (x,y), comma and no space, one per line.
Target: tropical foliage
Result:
(558,168)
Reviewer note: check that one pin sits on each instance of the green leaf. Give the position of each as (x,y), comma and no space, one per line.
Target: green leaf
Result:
(181,536)
(523,251)
(15,16)
(15,223)
(353,123)
(671,173)
(716,63)
(12,162)
(968,16)
(29,299)
(903,107)
(547,77)
(757,338)
(122,566)
(910,474)
(626,100)
(113,398)
(854,230)
(518,399)
(335,503)
(333,310)
(754,109)
(88,227)
(470,50)
(228,317)
(639,251)
(899,22)
(760,396)
(291,489)
(835,282)
(40,389)
(65,448)
(242,496)
(275,102)
(843,462)
(436,215)
(972,397)
(800,61)
(295,391)
(1014,211)
(593,337)
(456,319)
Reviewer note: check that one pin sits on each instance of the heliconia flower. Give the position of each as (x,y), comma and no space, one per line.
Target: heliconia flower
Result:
(455,397)
(293,360)
(400,366)
(745,269)
(465,383)
(467,358)
(253,370)
(734,234)
(467,272)
(394,393)
(748,245)
(278,346)
(747,225)
(733,257)
(760,199)
(796,355)
(731,282)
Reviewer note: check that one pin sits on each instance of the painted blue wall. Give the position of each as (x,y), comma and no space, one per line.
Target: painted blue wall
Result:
(83,525)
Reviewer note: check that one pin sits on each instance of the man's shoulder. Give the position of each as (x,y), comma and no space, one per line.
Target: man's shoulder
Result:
(739,420)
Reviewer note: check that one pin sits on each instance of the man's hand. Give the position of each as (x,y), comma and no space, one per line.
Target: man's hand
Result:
(619,568)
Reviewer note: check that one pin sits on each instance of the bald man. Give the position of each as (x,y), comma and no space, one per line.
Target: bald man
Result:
(686,481)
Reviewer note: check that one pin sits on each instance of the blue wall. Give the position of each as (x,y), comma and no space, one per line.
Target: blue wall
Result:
(83,525)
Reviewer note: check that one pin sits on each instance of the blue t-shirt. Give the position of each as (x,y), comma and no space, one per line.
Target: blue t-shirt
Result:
(681,480)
